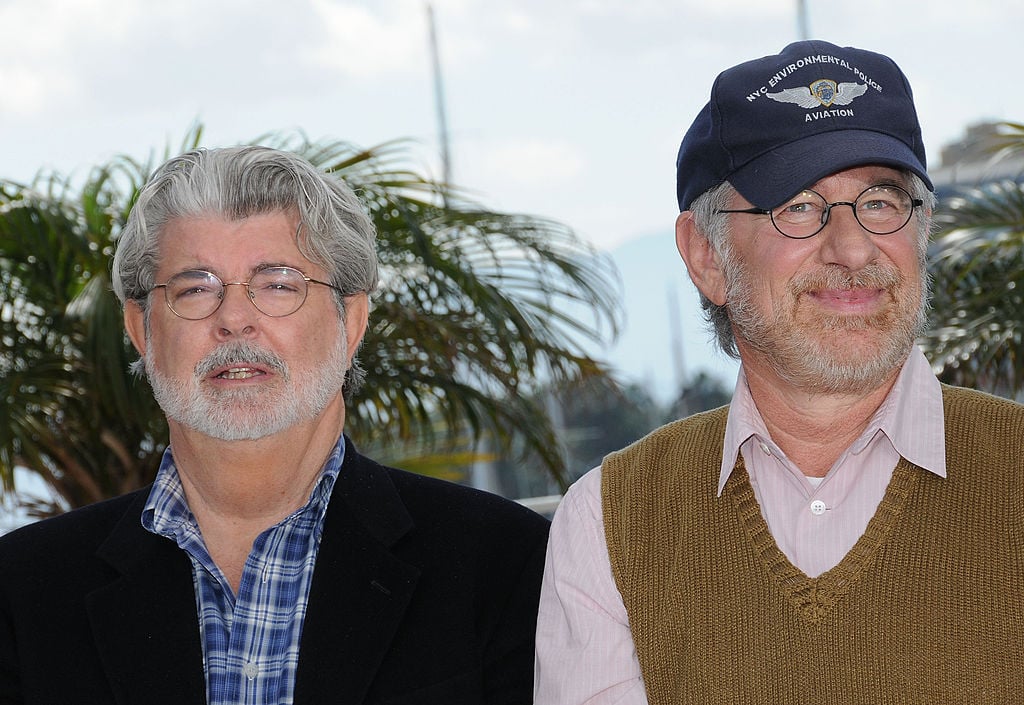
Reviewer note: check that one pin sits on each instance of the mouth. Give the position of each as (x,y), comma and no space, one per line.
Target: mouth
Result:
(240,362)
(846,293)
(854,299)
(238,373)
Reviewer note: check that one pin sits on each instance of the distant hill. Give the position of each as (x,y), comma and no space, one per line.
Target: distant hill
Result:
(654,281)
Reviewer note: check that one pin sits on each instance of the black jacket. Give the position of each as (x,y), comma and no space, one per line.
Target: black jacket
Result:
(423,592)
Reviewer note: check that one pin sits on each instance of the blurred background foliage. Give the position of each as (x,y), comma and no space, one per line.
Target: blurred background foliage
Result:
(976,261)
(477,351)
(468,323)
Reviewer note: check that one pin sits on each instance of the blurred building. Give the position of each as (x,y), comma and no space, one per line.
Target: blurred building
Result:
(978,158)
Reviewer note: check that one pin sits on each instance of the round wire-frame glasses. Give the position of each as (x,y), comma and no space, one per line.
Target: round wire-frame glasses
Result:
(881,209)
(196,294)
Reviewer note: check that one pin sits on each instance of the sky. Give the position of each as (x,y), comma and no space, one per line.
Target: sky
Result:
(571,109)
(568,109)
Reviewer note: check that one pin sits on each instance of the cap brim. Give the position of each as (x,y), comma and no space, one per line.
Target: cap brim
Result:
(775,177)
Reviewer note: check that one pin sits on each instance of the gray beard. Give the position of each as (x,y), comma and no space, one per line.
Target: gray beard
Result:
(816,368)
(248,413)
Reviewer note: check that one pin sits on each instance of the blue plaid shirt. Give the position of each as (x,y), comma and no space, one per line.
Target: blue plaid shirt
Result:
(250,640)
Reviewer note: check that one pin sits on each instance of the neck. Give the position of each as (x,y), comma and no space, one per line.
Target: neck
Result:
(813,428)
(238,489)
(250,480)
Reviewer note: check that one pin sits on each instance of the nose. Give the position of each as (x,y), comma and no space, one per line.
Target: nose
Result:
(844,241)
(237,315)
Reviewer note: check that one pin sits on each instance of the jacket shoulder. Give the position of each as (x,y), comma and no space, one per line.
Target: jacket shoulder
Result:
(395,503)
(75,533)
(442,504)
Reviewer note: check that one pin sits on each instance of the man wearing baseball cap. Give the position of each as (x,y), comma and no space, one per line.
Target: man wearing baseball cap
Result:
(847,530)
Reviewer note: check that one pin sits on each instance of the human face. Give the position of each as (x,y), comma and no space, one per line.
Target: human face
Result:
(239,374)
(837,312)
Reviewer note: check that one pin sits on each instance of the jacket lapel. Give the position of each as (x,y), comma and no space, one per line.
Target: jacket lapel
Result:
(360,589)
(145,621)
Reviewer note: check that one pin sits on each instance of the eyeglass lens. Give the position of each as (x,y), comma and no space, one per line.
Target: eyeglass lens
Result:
(275,291)
(879,209)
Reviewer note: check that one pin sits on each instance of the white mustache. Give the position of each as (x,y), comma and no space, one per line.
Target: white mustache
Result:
(240,353)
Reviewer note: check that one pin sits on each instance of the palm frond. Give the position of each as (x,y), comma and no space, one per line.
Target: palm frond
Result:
(476,310)
(977,267)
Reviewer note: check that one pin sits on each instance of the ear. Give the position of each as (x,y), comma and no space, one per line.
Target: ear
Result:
(135,325)
(702,262)
(357,316)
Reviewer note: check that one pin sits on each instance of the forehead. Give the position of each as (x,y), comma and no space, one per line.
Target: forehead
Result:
(217,243)
(861,177)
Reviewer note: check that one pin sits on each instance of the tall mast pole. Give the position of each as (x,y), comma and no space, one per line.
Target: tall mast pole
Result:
(801,19)
(442,119)
(675,341)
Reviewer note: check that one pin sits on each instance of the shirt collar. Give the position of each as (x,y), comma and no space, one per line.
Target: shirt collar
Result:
(167,512)
(910,417)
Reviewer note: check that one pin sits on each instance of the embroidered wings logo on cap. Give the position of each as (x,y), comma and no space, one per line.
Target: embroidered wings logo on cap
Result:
(821,92)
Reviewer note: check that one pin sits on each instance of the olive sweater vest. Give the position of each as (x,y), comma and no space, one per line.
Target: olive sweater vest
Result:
(927,607)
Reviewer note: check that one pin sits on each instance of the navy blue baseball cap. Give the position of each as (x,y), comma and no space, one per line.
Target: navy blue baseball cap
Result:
(776,125)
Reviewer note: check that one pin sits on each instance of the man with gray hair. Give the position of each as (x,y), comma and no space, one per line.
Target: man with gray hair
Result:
(270,562)
(847,530)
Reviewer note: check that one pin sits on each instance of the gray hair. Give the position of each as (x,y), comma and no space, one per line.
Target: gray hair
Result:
(714,226)
(234,183)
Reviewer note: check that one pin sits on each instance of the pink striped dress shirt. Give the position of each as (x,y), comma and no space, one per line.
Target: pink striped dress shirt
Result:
(585,652)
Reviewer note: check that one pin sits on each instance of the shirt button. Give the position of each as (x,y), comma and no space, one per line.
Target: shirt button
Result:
(765,449)
(818,507)
(250,670)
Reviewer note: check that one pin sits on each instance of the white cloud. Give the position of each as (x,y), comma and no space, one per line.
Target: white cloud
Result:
(544,98)
(365,42)
(39,43)
(539,163)
(28,91)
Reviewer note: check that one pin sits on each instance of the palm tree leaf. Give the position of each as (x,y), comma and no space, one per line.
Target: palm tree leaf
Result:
(977,268)
(475,311)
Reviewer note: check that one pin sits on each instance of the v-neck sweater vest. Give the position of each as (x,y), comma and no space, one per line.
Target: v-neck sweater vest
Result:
(927,607)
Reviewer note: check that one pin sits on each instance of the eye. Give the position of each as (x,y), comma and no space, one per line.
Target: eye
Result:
(805,205)
(277,286)
(876,204)
(883,198)
(278,281)
(193,285)
(192,291)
